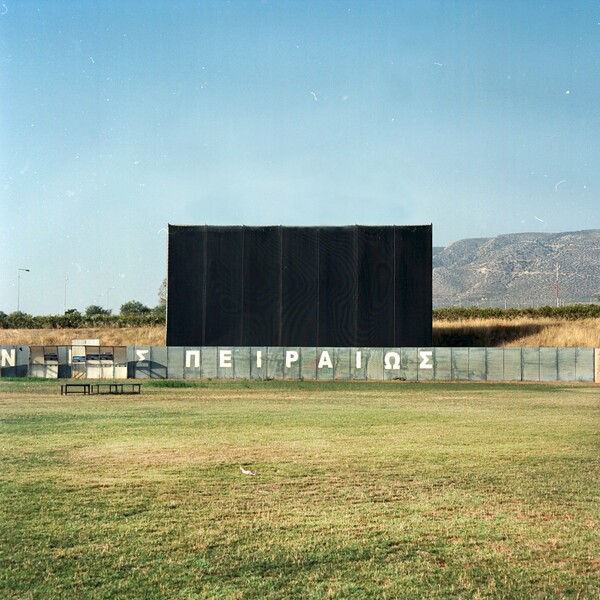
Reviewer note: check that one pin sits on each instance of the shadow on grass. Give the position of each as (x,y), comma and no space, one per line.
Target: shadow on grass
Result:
(474,336)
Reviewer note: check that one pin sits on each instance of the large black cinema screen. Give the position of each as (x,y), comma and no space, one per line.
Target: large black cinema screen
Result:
(299,286)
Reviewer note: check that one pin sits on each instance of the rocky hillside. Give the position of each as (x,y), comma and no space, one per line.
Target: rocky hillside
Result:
(518,270)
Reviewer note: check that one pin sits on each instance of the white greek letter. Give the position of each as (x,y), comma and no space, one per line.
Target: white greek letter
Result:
(325,360)
(225,358)
(425,356)
(195,354)
(391,361)
(290,357)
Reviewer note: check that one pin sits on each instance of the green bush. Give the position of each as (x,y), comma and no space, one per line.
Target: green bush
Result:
(134,307)
(157,317)
(571,312)
(73,319)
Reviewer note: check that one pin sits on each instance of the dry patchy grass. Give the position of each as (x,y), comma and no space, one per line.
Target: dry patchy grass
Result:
(384,490)
(108,336)
(541,332)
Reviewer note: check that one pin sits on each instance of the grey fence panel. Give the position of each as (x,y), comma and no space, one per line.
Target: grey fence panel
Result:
(373,360)
(192,361)
(358,364)
(241,362)
(138,362)
(325,364)
(130,363)
(460,364)
(393,365)
(224,363)
(159,361)
(531,364)
(21,368)
(175,362)
(308,368)
(584,364)
(143,362)
(14,361)
(406,370)
(341,363)
(292,361)
(513,364)
(425,362)
(410,361)
(275,362)
(8,361)
(566,370)
(548,364)
(23,357)
(64,362)
(477,364)
(225,368)
(210,362)
(442,364)
(258,362)
(494,364)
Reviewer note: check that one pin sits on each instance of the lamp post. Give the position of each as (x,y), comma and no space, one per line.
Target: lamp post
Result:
(66,279)
(19,287)
(107,292)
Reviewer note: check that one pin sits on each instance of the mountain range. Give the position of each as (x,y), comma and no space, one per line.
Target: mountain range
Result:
(520,269)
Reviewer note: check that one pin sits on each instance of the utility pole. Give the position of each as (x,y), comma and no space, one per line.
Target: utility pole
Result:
(557,285)
(66,279)
(107,292)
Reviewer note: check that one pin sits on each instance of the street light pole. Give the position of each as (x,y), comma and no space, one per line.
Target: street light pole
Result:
(107,292)
(19,287)
(66,279)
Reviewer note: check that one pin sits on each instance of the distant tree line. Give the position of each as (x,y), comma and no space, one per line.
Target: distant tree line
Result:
(136,314)
(571,312)
(131,314)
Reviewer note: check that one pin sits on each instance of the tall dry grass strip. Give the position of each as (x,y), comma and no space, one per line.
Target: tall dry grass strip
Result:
(539,332)
(108,336)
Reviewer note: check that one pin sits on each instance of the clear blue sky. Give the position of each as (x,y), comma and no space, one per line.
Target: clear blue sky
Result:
(119,117)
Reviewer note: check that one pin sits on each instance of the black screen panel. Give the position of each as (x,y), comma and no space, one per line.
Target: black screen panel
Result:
(375,282)
(413,286)
(224,286)
(337,286)
(300,286)
(261,286)
(185,283)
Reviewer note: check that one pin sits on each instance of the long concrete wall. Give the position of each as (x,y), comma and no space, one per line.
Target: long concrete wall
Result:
(374,364)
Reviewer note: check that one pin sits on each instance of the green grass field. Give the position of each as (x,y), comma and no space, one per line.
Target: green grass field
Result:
(390,490)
